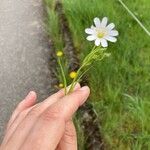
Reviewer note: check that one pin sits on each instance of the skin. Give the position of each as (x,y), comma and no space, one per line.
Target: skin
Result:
(46,125)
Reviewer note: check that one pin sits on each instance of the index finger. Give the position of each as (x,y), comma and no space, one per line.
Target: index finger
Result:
(68,105)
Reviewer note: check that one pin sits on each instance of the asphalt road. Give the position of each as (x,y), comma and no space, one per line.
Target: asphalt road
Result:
(24,54)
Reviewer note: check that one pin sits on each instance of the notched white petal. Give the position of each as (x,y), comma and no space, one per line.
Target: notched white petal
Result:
(104,43)
(114,33)
(92,27)
(97,42)
(91,38)
(89,31)
(111,26)
(97,22)
(104,22)
(111,39)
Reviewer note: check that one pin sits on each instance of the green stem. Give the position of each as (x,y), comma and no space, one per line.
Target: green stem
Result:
(74,80)
(83,74)
(137,20)
(87,70)
(63,75)
(78,73)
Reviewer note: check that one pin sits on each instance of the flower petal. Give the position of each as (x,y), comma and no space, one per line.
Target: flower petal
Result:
(111,39)
(104,22)
(92,27)
(97,42)
(89,31)
(113,33)
(97,22)
(91,38)
(111,26)
(104,43)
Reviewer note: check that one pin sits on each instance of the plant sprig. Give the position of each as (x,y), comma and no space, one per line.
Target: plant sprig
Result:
(101,33)
(96,54)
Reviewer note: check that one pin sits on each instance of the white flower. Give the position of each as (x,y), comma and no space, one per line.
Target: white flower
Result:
(101,32)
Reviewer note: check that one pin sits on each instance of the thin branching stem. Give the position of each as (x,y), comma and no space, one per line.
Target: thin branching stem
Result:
(63,75)
(78,73)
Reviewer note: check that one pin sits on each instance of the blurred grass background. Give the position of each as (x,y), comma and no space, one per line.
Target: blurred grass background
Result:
(120,85)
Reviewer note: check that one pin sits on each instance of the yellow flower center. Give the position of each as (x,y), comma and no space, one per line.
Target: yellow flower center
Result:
(100,34)
(59,53)
(61,85)
(73,74)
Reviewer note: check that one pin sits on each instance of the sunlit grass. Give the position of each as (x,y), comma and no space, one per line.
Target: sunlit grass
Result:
(120,85)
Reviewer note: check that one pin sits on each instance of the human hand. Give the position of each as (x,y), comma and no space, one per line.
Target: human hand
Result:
(46,125)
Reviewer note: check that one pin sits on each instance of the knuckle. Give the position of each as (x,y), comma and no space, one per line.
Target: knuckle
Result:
(70,134)
(52,114)
(34,112)
(70,137)
(23,114)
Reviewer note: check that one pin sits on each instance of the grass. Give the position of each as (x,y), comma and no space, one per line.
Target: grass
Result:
(120,85)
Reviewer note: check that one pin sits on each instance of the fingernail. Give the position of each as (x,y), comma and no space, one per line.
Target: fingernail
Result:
(84,88)
(29,94)
(85,91)
(77,85)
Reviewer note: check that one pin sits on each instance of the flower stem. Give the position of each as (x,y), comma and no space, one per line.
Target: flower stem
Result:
(63,75)
(74,80)
(77,78)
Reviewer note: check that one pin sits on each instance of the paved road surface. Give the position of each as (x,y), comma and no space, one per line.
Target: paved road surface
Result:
(23,54)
